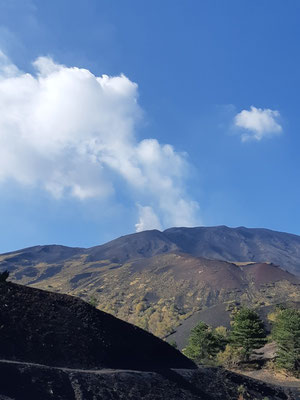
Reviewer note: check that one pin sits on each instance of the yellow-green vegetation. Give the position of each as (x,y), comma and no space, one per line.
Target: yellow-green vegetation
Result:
(231,357)
(222,331)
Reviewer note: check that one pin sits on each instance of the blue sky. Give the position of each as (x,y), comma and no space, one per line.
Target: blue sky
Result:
(118,116)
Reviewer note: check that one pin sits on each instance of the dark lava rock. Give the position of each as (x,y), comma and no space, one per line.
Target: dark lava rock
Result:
(21,382)
(59,330)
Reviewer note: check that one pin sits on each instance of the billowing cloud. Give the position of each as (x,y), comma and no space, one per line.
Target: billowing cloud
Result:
(147,219)
(74,134)
(259,123)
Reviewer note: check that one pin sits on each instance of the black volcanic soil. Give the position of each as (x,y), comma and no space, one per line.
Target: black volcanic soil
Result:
(53,329)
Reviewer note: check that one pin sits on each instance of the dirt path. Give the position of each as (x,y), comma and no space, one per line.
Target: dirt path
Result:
(286,382)
(84,371)
(264,376)
(274,379)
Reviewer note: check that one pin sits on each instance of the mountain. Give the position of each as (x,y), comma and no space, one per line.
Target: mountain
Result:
(239,244)
(131,247)
(219,242)
(57,347)
(161,280)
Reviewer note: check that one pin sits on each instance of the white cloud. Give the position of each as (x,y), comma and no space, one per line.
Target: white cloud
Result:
(71,132)
(7,69)
(258,122)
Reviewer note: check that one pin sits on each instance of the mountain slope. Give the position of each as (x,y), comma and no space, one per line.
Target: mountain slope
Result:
(220,243)
(36,254)
(138,245)
(157,293)
(239,244)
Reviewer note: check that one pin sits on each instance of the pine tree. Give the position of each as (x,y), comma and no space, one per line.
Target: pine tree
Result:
(286,333)
(247,331)
(203,344)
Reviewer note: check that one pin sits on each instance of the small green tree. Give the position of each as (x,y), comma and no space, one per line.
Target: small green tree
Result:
(93,301)
(173,344)
(286,333)
(203,344)
(4,275)
(247,331)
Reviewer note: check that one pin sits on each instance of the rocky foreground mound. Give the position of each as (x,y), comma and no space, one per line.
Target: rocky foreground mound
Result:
(57,347)
(53,329)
